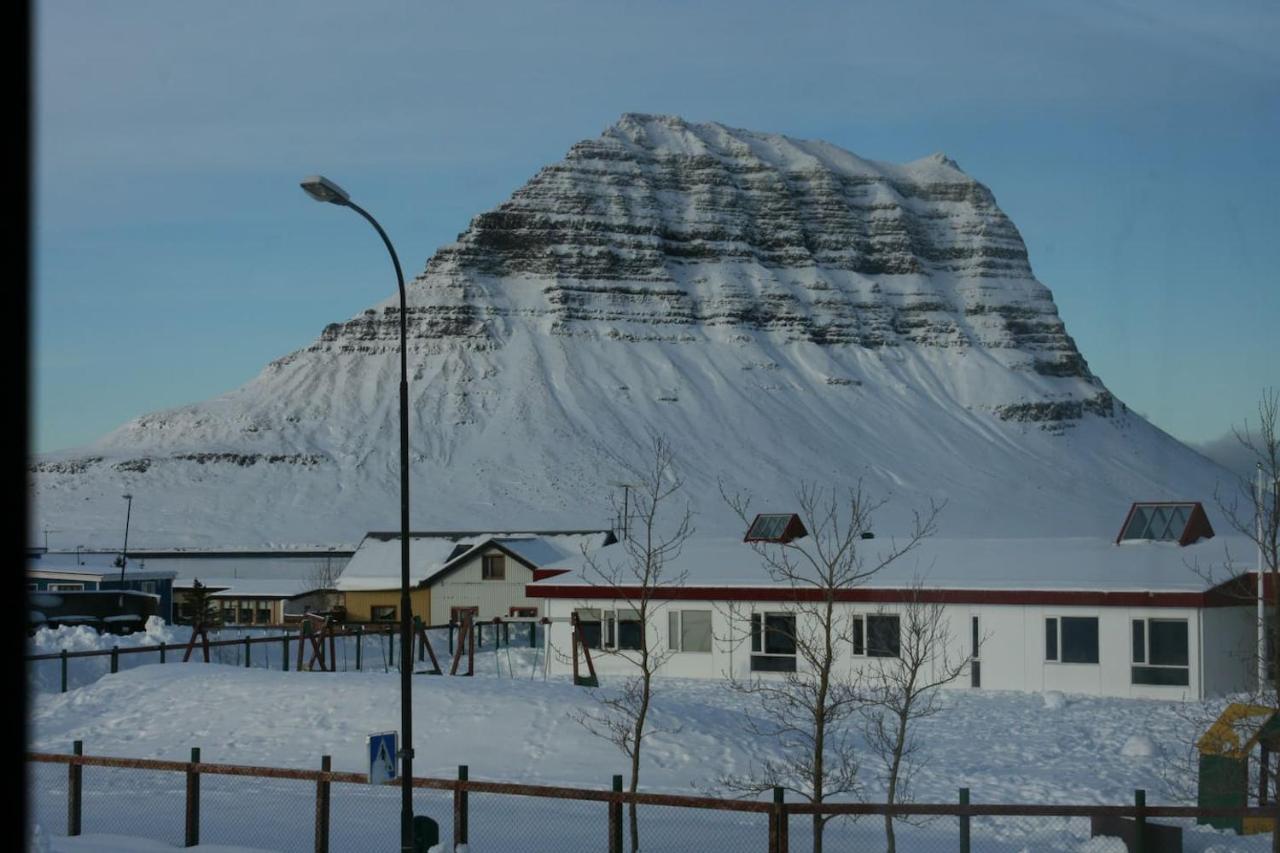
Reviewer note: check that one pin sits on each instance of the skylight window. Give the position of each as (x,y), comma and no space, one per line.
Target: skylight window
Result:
(1183,523)
(776,527)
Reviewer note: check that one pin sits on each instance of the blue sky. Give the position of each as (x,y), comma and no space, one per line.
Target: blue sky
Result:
(1136,146)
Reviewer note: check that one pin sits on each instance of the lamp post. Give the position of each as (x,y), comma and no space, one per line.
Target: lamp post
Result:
(124,554)
(322,189)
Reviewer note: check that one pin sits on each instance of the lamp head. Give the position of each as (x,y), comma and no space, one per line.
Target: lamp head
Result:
(321,188)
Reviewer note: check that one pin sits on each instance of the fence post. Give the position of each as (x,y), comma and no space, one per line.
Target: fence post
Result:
(460,809)
(322,808)
(451,635)
(964,820)
(533,634)
(193,800)
(247,646)
(784,821)
(163,647)
(284,659)
(615,818)
(359,643)
(1139,820)
(115,659)
(74,787)
(391,648)
(64,670)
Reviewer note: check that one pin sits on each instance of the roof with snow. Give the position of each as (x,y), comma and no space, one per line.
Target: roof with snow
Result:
(376,563)
(1073,564)
(284,587)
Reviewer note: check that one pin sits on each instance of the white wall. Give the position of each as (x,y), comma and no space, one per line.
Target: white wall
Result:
(1012,653)
(466,587)
(1231,643)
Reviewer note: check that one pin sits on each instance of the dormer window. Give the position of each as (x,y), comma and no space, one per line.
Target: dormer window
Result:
(1170,521)
(779,528)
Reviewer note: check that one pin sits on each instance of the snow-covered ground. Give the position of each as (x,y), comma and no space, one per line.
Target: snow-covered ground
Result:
(1006,747)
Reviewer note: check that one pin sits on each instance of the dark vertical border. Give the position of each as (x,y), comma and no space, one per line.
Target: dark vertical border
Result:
(19,165)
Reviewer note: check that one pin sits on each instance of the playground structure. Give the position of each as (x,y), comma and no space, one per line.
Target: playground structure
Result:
(1224,750)
(577,641)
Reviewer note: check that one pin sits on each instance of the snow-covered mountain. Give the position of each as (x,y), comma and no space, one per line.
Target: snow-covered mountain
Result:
(782,310)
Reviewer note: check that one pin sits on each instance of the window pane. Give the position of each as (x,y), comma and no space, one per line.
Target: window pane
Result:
(696,631)
(1051,639)
(673,630)
(755,632)
(1137,525)
(1159,523)
(1162,675)
(1139,641)
(590,632)
(1168,642)
(630,633)
(1178,523)
(1079,639)
(779,634)
(859,642)
(883,636)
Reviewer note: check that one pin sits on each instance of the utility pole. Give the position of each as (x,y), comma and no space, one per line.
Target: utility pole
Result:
(124,554)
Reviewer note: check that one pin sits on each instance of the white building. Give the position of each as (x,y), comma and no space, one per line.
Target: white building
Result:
(1127,617)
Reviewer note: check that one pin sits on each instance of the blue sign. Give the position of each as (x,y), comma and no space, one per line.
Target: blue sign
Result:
(382,757)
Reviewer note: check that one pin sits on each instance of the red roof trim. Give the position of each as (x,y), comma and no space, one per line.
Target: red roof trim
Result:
(1055,597)
(543,574)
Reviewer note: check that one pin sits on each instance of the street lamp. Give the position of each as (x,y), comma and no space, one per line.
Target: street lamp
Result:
(124,554)
(323,189)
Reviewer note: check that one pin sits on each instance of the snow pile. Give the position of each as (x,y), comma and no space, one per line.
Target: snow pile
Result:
(1138,746)
(1054,700)
(82,638)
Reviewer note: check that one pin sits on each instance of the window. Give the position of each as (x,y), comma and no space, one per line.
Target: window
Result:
(859,636)
(1161,653)
(493,568)
(66,587)
(773,642)
(32,587)
(975,644)
(148,586)
(523,612)
(382,613)
(184,611)
(589,626)
(689,630)
(883,636)
(264,615)
(1071,639)
(623,630)
(246,615)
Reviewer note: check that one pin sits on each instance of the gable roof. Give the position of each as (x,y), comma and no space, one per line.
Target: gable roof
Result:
(376,562)
(531,552)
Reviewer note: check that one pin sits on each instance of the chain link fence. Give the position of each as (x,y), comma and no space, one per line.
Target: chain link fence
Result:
(262,808)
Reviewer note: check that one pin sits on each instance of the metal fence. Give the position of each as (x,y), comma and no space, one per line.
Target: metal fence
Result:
(193,802)
(354,648)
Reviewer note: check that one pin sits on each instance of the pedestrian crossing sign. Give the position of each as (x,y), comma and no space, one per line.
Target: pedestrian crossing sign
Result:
(382,757)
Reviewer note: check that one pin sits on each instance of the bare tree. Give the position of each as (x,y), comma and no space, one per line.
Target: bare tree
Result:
(1253,511)
(904,689)
(807,710)
(322,578)
(653,532)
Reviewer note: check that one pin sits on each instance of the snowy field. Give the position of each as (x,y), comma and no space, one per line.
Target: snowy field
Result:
(1006,747)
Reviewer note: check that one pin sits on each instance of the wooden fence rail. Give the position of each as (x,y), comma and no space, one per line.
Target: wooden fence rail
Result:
(778,810)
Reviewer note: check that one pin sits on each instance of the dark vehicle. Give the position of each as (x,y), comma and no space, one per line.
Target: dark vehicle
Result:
(109,611)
